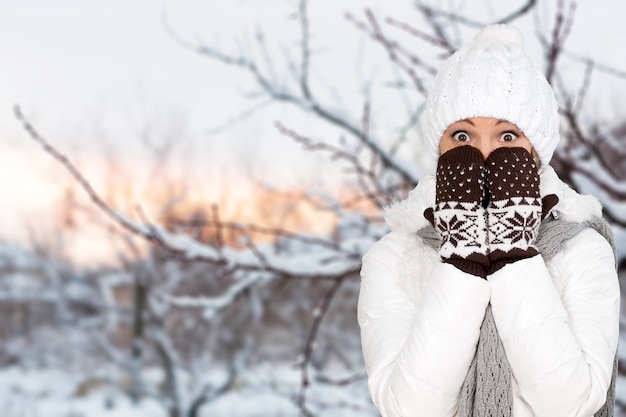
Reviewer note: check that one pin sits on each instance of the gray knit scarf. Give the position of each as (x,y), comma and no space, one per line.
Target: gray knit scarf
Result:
(487,390)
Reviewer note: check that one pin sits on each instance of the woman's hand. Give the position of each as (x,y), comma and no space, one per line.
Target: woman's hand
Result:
(515,207)
(458,215)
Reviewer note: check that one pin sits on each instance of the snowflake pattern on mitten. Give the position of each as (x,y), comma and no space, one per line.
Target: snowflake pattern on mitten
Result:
(458,215)
(514,209)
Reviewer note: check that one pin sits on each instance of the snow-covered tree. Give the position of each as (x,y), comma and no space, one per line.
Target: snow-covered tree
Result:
(240,315)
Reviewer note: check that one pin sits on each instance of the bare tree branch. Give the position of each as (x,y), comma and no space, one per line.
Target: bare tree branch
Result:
(318,316)
(584,88)
(429,11)
(433,40)
(378,35)
(560,32)
(179,245)
(306,103)
(304,68)
(366,178)
(82,181)
(241,117)
(254,228)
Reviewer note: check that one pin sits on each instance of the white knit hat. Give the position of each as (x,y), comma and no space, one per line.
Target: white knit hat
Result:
(492,76)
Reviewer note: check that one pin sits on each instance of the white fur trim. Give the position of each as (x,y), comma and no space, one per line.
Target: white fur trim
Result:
(571,206)
(408,215)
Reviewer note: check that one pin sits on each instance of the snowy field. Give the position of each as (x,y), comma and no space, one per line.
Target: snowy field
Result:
(59,394)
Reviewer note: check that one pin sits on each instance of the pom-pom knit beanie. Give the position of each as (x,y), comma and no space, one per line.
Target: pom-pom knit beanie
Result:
(492,76)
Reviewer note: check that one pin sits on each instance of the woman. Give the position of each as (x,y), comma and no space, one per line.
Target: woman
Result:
(509,305)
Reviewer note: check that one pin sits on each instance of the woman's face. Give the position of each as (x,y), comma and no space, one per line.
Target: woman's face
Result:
(484,134)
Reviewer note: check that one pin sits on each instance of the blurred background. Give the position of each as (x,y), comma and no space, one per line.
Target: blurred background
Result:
(188,188)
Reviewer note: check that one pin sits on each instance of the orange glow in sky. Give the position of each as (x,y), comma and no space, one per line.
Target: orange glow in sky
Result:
(46,206)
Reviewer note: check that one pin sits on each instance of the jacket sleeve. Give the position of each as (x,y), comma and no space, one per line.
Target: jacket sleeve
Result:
(417,348)
(560,344)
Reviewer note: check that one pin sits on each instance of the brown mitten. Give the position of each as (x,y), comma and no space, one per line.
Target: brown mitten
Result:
(458,215)
(514,211)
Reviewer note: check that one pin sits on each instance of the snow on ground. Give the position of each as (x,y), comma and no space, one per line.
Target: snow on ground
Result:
(55,393)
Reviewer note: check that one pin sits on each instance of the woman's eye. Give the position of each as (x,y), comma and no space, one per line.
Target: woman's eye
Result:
(508,137)
(461,136)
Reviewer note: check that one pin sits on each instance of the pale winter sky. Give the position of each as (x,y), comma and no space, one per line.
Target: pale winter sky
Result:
(99,75)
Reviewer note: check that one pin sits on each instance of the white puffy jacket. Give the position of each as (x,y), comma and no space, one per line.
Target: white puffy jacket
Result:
(420,318)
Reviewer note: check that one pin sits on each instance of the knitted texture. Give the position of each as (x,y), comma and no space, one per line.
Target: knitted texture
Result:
(492,76)
(489,368)
(458,215)
(514,209)
(487,387)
